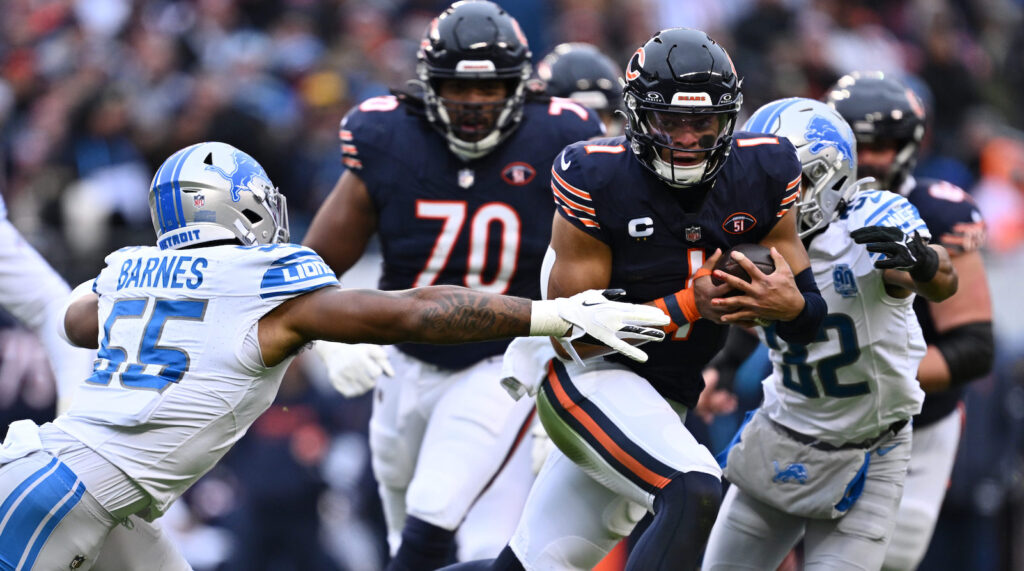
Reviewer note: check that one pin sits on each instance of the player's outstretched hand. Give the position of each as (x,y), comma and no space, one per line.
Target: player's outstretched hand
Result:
(765,298)
(597,319)
(902,252)
(353,369)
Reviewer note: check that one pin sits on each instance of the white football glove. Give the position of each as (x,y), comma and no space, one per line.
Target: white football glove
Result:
(353,369)
(596,319)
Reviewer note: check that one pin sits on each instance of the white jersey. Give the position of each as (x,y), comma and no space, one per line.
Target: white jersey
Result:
(860,375)
(179,377)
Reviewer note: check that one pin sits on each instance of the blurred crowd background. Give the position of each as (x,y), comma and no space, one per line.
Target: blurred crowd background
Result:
(94,94)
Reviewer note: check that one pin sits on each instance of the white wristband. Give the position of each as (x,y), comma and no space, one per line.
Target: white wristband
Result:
(544,320)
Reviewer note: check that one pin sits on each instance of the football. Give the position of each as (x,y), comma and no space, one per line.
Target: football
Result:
(756,253)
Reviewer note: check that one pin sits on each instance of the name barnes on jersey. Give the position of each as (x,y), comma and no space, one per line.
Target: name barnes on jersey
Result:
(660,236)
(180,271)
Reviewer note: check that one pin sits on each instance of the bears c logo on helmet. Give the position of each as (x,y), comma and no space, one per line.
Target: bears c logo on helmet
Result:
(637,59)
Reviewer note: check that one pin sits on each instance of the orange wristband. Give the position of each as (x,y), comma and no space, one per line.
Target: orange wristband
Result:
(680,307)
(701,273)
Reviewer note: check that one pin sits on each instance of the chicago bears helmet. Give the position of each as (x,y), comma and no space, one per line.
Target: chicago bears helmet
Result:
(881,109)
(579,71)
(212,192)
(679,78)
(474,39)
(827,150)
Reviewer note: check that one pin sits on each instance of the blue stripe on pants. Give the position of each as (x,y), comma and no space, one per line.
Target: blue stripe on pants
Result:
(34,509)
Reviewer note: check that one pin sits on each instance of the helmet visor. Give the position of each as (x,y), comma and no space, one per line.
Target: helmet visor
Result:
(686,139)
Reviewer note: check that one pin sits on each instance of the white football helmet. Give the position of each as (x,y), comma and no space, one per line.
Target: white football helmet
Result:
(825,144)
(212,192)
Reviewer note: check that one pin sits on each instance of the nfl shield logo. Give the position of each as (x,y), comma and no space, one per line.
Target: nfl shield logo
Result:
(466,178)
(199,201)
(693,233)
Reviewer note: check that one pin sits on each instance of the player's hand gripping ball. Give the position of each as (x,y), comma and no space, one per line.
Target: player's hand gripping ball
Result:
(756,253)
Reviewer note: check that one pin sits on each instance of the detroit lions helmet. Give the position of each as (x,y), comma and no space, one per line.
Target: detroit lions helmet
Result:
(881,109)
(681,79)
(474,39)
(827,150)
(212,192)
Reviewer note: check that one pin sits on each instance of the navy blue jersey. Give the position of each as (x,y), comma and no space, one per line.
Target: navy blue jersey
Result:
(956,223)
(659,236)
(484,224)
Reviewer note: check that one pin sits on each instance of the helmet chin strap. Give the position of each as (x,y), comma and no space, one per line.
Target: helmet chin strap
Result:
(468,151)
(679,174)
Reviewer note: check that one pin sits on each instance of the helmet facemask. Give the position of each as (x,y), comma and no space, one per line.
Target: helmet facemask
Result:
(685,148)
(474,128)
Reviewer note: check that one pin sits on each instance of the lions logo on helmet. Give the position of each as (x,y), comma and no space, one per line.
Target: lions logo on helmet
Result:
(247,175)
(823,134)
(825,144)
(213,192)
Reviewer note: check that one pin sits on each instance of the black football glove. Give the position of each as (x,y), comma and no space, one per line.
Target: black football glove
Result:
(902,252)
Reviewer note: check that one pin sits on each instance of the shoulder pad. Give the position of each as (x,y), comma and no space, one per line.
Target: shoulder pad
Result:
(884,208)
(570,186)
(293,270)
(951,215)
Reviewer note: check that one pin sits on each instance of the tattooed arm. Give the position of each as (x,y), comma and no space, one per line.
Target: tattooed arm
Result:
(440,314)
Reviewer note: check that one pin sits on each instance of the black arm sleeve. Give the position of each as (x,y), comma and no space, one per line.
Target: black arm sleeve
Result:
(804,328)
(738,346)
(969,351)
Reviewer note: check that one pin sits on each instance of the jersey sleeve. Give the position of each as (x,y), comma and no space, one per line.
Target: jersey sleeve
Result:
(573,200)
(884,208)
(780,167)
(364,134)
(784,168)
(293,271)
(952,216)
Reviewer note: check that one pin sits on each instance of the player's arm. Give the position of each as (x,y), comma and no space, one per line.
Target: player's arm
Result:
(344,224)
(581,262)
(446,314)
(789,295)
(910,263)
(965,348)
(941,286)
(81,318)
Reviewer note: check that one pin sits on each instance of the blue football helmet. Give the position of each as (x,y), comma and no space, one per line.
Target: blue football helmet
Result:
(212,192)
(826,146)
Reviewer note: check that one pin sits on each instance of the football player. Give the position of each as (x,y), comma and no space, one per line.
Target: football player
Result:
(825,455)
(194,336)
(452,180)
(653,209)
(888,120)
(34,294)
(579,71)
